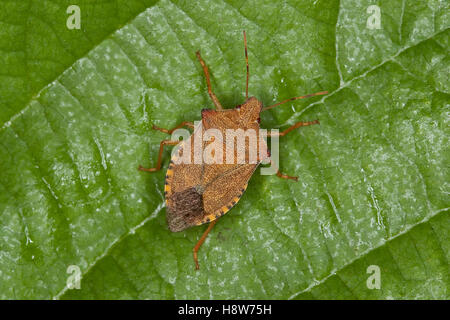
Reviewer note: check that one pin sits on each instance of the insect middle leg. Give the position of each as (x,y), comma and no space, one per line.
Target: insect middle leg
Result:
(208,82)
(169,131)
(282,133)
(285,176)
(282,175)
(200,242)
(161,149)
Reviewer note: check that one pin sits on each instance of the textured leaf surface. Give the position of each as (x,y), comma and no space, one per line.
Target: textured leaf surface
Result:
(76,111)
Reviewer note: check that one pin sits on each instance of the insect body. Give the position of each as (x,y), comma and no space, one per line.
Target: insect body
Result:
(199,193)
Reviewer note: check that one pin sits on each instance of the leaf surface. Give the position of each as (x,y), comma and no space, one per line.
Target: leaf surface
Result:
(75,123)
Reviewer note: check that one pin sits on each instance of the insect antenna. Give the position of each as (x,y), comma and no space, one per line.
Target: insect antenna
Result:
(295,98)
(246,61)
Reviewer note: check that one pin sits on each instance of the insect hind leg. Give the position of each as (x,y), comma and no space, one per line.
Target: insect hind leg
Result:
(200,242)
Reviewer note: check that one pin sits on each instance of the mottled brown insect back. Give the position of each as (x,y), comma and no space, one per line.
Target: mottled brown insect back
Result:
(201,192)
(185,210)
(217,186)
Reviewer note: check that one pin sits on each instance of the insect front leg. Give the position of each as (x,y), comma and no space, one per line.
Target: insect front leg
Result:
(208,82)
(161,149)
(169,131)
(294,126)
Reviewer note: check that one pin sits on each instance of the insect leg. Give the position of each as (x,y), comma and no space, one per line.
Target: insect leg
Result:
(169,131)
(161,149)
(208,82)
(294,126)
(200,242)
(283,176)
(295,98)
(246,62)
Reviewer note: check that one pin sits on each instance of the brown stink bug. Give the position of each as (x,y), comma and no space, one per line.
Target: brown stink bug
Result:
(198,193)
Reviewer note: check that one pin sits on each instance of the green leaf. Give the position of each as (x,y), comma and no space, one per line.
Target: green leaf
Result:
(75,122)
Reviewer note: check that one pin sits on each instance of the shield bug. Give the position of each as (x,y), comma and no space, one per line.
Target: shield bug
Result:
(199,193)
